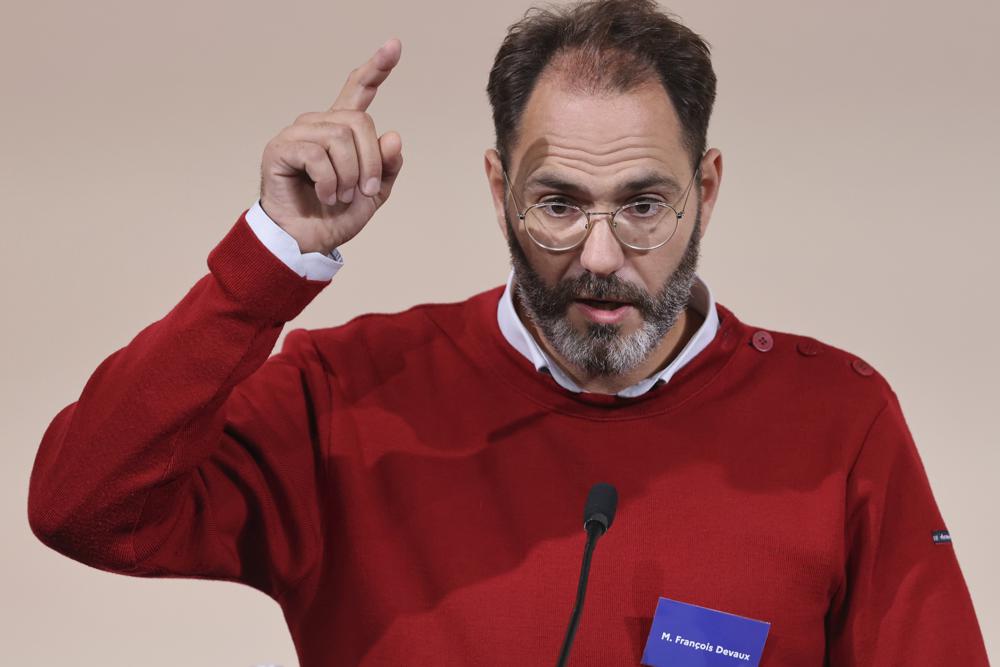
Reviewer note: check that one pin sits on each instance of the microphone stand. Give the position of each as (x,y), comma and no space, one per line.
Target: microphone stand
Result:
(594,530)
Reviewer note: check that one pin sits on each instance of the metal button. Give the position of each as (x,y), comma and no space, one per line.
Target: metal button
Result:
(808,347)
(762,341)
(862,368)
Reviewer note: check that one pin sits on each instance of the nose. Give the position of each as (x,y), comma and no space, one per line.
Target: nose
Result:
(602,253)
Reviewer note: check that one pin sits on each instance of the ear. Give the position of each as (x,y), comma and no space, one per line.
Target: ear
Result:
(494,176)
(709,182)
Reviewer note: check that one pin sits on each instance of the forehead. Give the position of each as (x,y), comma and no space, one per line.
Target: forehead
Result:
(598,136)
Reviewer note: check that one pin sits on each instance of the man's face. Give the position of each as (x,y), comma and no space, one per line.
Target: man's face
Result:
(602,306)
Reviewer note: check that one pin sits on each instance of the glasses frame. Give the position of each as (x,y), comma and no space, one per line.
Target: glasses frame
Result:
(679,215)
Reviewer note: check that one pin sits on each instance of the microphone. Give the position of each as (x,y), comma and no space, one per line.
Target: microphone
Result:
(598,514)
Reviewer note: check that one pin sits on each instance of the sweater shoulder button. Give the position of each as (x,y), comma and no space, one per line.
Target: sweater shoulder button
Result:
(762,341)
(862,368)
(808,347)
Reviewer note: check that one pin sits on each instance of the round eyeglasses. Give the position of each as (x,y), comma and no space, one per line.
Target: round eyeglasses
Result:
(645,224)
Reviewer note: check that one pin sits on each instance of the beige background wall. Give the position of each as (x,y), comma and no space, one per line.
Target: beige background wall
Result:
(858,205)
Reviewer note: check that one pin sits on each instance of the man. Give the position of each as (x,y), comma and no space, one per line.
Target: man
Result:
(407,487)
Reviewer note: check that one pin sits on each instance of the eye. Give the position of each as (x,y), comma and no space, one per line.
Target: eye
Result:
(646,207)
(557,208)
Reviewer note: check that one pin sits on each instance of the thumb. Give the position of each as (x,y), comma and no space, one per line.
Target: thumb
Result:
(390,145)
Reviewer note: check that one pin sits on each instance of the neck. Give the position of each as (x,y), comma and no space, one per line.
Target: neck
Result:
(687,324)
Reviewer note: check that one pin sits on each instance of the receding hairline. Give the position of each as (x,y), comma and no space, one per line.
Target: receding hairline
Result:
(563,74)
(594,70)
(575,70)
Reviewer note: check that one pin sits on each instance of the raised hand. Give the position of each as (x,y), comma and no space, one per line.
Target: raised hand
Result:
(324,176)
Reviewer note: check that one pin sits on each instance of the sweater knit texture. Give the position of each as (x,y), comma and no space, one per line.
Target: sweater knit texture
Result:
(409,489)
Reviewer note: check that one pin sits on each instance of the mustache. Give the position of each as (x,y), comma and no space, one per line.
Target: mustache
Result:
(608,288)
(603,288)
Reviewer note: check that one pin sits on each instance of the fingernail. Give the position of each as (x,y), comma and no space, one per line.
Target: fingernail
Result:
(347,195)
(371,187)
(332,199)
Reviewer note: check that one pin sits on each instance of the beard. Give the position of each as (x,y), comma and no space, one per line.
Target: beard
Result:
(602,350)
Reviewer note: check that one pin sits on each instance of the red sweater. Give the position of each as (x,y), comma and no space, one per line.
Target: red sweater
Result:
(409,489)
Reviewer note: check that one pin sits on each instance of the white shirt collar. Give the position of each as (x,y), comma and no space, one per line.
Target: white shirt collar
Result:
(520,339)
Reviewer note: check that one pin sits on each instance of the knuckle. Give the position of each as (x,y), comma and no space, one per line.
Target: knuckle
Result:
(304,118)
(351,116)
(338,131)
(281,138)
(360,118)
(313,151)
(275,151)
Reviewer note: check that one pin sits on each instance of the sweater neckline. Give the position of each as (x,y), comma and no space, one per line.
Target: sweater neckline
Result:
(509,366)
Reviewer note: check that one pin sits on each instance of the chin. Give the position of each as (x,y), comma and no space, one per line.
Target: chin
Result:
(603,350)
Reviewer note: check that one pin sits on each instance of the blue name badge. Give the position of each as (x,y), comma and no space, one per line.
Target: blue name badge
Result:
(686,635)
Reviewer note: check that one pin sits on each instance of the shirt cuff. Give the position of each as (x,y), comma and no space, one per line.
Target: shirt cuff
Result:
(311,265)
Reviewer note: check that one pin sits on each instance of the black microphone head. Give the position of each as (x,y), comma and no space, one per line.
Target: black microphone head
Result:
(602,501)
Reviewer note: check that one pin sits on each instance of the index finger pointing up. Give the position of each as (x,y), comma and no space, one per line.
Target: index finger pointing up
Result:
(362,84)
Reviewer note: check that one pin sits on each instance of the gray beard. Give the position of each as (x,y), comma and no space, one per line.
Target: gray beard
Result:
(602,350)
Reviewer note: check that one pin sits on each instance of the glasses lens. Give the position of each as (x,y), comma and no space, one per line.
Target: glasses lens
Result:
(646,224)
(556,225)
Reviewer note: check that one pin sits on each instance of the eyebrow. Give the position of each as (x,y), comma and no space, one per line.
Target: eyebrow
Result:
(644,182)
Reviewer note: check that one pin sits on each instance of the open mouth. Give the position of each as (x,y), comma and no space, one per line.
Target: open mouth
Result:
(605,311)
(601,304)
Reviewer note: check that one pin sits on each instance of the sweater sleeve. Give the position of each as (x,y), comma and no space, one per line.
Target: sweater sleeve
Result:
(903,599)
(190,452)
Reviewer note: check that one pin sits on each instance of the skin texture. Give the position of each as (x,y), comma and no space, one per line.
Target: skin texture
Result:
(598,142)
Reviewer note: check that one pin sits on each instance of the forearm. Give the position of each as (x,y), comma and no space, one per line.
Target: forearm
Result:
(153,410)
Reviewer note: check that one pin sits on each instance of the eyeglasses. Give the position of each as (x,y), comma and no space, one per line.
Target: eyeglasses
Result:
(646,224)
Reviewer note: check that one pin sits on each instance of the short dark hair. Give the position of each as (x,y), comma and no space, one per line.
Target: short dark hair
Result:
(603,46)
